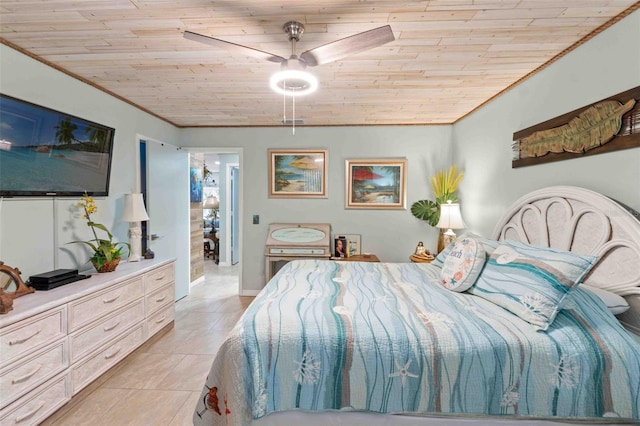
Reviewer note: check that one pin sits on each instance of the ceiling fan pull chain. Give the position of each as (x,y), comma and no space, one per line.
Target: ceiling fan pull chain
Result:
(294,113)
(284,108)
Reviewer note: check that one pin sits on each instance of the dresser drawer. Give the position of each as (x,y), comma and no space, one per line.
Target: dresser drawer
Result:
(35,369)
(90,338)
(155,279)
(88,370)
(159,320)
(31,334)
(90,308)
(159,298)
(39,404)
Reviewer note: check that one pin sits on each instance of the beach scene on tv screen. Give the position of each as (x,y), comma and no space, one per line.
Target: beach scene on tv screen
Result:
(42,150)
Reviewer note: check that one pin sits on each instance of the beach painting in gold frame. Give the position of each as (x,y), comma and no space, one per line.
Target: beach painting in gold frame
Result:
(376,183)
(298,173)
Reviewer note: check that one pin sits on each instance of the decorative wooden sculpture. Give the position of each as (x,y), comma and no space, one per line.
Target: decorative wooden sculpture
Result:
(11,282)
(595,126)
(6,302)
(605,126)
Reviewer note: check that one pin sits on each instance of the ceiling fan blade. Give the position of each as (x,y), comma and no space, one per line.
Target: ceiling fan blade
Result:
(348,46)
(234,48)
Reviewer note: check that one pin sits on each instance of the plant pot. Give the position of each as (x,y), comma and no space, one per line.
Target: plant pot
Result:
(108,266)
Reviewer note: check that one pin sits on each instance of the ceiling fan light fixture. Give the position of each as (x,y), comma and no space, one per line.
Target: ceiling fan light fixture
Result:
(293,82)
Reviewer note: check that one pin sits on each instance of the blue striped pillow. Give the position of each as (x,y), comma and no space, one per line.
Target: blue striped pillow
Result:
(531,282)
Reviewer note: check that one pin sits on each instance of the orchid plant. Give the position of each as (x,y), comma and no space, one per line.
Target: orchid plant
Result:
(104,250)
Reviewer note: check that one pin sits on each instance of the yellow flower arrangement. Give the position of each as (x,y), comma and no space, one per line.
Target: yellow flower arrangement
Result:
(106,253)
(444,185)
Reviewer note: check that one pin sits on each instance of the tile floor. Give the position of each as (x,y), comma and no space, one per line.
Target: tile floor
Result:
(160,382)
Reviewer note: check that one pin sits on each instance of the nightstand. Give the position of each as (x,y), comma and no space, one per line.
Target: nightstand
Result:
(359,258)
(420,259)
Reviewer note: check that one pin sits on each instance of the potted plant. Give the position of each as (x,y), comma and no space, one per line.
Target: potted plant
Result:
(444,185)
(106,253)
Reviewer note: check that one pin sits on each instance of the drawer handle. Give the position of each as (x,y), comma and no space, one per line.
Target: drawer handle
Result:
(111,300)
(161,319)
(109,328)
(26,376)
(161,299)
(18,341)
(111,355)
(30,414)
(161,277)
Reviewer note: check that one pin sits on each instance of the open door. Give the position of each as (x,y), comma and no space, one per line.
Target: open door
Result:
(167,197)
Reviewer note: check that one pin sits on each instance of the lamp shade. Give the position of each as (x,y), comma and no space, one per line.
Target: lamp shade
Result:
(450,217)
(211,202)
(134,210)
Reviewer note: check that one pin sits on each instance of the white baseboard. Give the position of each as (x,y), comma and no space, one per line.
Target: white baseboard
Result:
(249,292)
(196,281)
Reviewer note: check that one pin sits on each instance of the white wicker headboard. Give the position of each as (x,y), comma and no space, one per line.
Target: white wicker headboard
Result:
(585,222)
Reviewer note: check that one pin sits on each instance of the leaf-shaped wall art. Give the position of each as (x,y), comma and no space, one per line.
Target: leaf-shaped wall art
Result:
(595,126)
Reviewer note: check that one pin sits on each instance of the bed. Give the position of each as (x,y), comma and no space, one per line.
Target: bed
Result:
(366,343)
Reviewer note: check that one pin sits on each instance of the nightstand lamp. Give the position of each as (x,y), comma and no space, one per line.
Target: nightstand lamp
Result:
(134,212)
(450,219)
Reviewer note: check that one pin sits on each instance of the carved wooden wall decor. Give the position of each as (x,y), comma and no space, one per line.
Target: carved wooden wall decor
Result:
(608,125)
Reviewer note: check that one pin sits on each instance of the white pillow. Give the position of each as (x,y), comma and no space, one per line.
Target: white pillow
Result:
(615,303)
(463,264)
(489,247)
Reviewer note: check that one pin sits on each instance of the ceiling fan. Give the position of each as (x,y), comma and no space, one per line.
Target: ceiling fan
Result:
(292,79)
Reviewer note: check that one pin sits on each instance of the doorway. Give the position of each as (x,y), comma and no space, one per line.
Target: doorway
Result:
(225,183)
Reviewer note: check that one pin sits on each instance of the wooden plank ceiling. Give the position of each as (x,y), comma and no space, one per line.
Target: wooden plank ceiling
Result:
(448,57)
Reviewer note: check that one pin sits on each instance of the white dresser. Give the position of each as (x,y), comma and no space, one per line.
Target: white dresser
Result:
(54,343)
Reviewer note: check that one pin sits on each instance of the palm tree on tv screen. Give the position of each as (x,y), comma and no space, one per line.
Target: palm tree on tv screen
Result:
(64,132)
(97,136)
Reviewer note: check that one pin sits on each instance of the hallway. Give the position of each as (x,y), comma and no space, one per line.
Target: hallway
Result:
(160,382)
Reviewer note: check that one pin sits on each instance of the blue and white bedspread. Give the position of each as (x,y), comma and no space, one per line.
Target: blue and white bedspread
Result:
(385,337)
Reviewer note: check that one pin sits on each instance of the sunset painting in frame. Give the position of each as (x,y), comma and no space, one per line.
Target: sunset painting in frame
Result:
(376,183)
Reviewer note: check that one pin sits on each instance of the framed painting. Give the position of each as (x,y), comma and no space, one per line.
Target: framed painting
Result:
(376,183)
(298,173)
(195,190)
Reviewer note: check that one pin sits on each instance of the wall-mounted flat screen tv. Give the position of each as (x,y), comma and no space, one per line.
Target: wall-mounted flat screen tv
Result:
(49,153)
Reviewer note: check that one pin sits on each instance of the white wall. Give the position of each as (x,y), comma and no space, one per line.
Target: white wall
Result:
(32,237)
(391,234)
(606,65)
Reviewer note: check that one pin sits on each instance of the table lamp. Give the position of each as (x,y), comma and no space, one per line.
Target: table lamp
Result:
(134,212)
(450,219)
(211,203)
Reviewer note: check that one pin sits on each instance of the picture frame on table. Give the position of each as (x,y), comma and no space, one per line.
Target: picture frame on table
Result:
(298,173)
(340,247)
(352,243)
(378,183)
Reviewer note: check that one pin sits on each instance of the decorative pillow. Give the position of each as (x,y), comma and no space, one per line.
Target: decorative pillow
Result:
(531,282)
(463,264)
(489,246)
(614,302)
